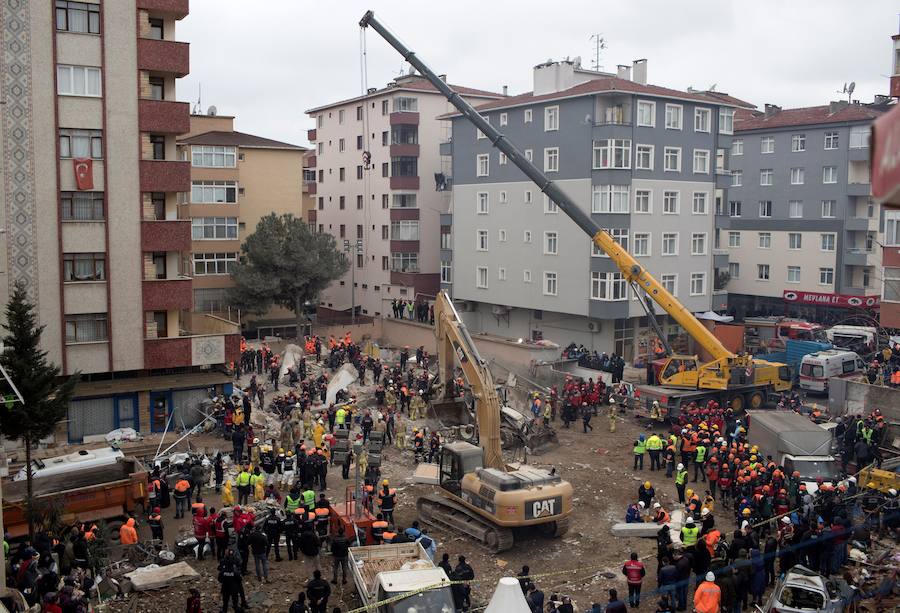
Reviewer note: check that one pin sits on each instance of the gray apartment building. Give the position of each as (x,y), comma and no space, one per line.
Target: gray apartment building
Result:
(800,226)
(647,162)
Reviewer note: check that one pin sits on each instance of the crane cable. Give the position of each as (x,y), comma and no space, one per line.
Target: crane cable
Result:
(367,152)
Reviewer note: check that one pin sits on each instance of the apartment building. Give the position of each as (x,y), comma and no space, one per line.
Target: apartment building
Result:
(89,204)
(886,185)
(380,188)
(236,179)
(800,226)
(646,162)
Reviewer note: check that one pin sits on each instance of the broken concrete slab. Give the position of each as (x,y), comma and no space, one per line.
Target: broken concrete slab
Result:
(646,529)
(426,474)
(342,378)
(154,577)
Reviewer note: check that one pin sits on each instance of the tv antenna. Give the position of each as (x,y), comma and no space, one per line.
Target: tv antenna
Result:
(599,45)
(849,89)
(198,108)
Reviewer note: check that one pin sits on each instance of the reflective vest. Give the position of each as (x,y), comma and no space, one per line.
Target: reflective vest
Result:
(654,443)
(292,504)
(689,535)
(680,477)
(243,479)
(322,514)
(701,454)
(378,528)
(341,416)
(309,499)
(640,447)
(707,598)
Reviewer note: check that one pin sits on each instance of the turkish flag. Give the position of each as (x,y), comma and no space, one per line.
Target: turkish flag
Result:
(84,173)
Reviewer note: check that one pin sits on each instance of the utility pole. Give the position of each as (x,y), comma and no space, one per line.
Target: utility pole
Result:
(599,45)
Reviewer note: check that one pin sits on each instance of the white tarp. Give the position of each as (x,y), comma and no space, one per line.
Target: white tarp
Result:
(122,435)
(344,376)
(289,359)
(508,598)
(713,316)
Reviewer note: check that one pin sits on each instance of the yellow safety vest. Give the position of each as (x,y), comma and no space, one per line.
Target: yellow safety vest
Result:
(680,477)
(689,536)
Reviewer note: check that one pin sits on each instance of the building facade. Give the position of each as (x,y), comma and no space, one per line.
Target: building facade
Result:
(800,227)
(646,162)
(380,189)
(236,179)
(890,273)
(89,203)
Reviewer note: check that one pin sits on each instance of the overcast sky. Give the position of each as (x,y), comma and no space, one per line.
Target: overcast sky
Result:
(267,61)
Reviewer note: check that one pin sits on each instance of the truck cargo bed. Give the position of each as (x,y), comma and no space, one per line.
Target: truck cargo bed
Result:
(382,558)
(60,484)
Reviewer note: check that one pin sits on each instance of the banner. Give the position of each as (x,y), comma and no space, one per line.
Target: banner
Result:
(843,301)
(84,173)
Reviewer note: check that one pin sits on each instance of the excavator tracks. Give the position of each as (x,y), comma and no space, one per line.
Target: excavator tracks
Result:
(439,511)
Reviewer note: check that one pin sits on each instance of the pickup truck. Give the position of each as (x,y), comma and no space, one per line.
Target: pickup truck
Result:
(382,572)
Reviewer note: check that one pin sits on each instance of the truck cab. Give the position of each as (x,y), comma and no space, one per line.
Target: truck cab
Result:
(811,468)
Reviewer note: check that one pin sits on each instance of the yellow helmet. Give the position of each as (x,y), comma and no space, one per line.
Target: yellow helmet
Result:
(870,485)
(647,485)
(281,450)
(290,454)
(385,482)
(746,511)
(689,493)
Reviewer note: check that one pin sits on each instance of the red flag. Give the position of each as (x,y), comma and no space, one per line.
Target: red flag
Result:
(84,173)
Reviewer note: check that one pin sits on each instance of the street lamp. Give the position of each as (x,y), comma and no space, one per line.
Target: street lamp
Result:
(349,250)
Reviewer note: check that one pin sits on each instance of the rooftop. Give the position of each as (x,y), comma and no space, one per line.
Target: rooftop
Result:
(805,116)
(238,139)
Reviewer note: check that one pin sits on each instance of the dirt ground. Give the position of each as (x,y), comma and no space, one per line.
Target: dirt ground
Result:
(599,466)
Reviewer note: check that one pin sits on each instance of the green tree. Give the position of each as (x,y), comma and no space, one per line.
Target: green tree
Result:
(287,264)
(46,395)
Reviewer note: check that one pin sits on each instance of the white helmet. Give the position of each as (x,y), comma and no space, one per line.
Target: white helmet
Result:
(680,466)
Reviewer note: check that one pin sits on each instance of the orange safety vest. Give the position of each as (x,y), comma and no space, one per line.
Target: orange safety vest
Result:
(707,598)
(662,517)
(388,537)
(322,514)
(182,486)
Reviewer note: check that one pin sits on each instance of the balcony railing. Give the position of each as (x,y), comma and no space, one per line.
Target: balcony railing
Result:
(176,9)
(164,116)
(167,56)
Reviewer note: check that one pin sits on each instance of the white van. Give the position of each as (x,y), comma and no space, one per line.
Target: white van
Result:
(817,368)
(80,460)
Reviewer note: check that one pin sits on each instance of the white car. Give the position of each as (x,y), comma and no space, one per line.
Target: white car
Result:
(803,591)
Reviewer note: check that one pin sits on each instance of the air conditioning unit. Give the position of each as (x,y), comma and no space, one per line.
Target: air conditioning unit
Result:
(499,309)
(594,326)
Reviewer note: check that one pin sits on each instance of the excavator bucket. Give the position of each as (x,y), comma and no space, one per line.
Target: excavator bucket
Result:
(450,413)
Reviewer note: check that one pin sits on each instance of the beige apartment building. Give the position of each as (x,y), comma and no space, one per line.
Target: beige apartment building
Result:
(385,211)
(89,205)
(236,179)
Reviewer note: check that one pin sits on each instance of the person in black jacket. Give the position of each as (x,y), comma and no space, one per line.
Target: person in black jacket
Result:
(462,591)
(535,599)
(667,579)
(259,546)
(291,528)
(683,563)
(340,551)
(318,591)
(243,544)
(230,579)
(273,527)
(310,546)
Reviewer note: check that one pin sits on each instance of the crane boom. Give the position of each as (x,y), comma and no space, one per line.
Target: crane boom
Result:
(631,270)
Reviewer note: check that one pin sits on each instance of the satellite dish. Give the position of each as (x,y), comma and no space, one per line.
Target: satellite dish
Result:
(851,87)
(844,91)
(577,61)
(211,111)
(712,87)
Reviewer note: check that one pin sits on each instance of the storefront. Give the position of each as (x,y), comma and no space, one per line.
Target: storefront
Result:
(824,308)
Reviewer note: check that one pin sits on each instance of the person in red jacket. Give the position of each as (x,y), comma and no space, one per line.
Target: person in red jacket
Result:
(634,573)
(193,601)
(201,528)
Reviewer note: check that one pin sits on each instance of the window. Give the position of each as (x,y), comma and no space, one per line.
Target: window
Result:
(550,284)
(551,118)
(670,243)
(793,274)
(157,88)
(482,203)
(737,146)
(551,243)
(795,240)
(551,159)
(359,142)
(385,138)
(504,119)
(208,156)
(501,235)
(734,239)
(405,262)
(526,276)
(214,263)
(213,192)
(385,169)
(385,262)
(342,173)
(320,121)
(767,144)
(734,208)
(446,271)
(672,159)
(526,236)
(612,153)
(527,115)
(643,201)
(828,241)
(608,286)
(698,243)
(481,277)
(737,178)
(503,197)
(726,120)
(501,273)
(84,267)
(859,137)
(359,113)
(483,164)
(734,270)
(479,135)
(157,146)
(341,115)
(673,117)
(831,140)
(88,328)
(670,203)
(609,199)
(891,228)
(797,176)
(550,206)
(79,17)
(764,240)
(826,276)
(795,209)
(829,174)
(702,120)
(765,208)
(386,233)
(829,207)
(81,144)
(527,196)
(669,283)
(501,159)
(405,166)
(406,104)
(342,202)
(320,146)
(359,173)
(343,231)
(698,283)
(762,272)
(766,177)
(481,240)
(77,81)
(798,142)
(213,228)
(641,244)
(891,287)
(81,206)
(403,201)
(701,161)
(643,157)
(406,230)
(646,113)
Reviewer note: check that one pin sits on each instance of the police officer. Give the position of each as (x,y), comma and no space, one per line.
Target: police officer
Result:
(291,529)
(273,528)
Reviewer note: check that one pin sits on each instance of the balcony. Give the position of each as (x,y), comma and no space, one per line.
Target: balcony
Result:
(168,294)
(174,9)
(209,341)
(398,149)
(400,214)
(422,283)
(401,118)
(446,148)
(312,215)
(895,86)
(166,56)
(311,188)
(720,258)
(856,224)
(723,179)
(856,257)
(310,161)
(164,117)
(410,183)
(166,235)
(405,247)
(858,154)
(311,135)
(165,176)
(859,189)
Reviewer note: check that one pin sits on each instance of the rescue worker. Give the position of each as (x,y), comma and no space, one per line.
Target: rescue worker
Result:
(660,516)
(181,495)
(708,597)
(640,447)
(128,536)
(646,493)
(699,461)
(654,448)
(200,525)
(379,526)
(287,470)
(155,523)
(386,500)
(690,534)
(243,485)
(681,475)
(417,405)
(634,572)
(322,517)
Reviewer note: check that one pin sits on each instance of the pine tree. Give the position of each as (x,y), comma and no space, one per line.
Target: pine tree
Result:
(46,395)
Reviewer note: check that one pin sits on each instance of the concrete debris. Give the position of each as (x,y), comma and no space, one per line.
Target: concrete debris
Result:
(153,577)
(343,377)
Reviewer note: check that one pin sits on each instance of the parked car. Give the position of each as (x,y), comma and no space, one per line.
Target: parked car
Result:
(803,591)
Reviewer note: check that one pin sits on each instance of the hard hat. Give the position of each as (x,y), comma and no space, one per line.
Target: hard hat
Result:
(785,520)
(256,441)
(870,485)
(680,466)
(290,454)
(852,479)
(704,512)
(753,458)
(710,576)
(647,485)
(281,450)
(689,492)
(385,482)
(745,512)
(656,505)
(641,504)
(892,492)
(689,521)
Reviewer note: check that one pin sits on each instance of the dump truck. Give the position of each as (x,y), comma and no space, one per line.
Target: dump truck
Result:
(383,572)
(106,492)
(796,443)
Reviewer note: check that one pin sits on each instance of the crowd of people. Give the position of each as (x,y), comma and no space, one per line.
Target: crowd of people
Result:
(613,364)
(414,310)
